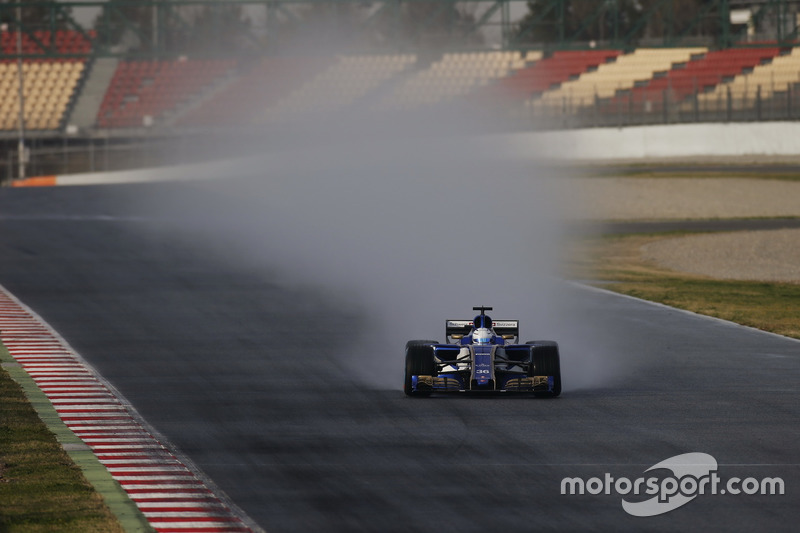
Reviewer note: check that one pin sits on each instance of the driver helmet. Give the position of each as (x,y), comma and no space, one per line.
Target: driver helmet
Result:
(482,336)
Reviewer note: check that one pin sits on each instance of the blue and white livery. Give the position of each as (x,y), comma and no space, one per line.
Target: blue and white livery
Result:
(482,355)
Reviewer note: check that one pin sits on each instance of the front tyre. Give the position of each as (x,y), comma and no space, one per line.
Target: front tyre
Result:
(420,343)
(419,362)
(545,361)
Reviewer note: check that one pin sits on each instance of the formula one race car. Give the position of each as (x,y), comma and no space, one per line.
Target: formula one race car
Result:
(482,355)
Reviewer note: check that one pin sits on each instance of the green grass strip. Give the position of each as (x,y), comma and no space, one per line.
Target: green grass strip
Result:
(616,263)
(49,479)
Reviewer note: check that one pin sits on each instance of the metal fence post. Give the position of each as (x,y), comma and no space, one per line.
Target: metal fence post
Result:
(758,102)
(65,155)
(729,105)
(33,161)
(629,118)
(105,153)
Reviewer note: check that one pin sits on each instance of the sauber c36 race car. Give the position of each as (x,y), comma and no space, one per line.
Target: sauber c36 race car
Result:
(482,355)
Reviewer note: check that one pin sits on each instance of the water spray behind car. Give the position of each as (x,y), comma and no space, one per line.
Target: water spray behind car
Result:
(406,218)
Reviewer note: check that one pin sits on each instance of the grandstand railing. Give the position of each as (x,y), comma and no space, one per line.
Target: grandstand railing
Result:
(663,107)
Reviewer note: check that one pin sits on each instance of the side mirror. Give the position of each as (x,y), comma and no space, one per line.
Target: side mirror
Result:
(457,337)
(508,337)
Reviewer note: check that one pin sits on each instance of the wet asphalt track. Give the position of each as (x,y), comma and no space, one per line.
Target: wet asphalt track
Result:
(302,446)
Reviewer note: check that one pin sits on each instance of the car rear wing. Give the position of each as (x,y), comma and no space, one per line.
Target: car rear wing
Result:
(504,328)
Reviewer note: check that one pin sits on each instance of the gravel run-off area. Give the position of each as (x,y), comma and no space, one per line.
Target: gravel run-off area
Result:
(772,255)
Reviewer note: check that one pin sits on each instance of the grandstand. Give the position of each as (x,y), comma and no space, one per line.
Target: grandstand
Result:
(620,74)
(454,75)
(548,73)
(253,90)
(762,81)
(40,42)
(199,93)
(85,83)
(345,81)
(145,91)
(47,92)
(49,83)
(703,73)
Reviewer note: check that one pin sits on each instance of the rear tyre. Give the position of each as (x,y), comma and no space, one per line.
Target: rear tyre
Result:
(545,361)
(419,362)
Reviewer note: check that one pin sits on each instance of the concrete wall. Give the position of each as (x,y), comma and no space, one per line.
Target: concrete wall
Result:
(641,143)
(674,141)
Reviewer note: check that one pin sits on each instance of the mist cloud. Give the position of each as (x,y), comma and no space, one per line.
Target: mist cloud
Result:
(409,221)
